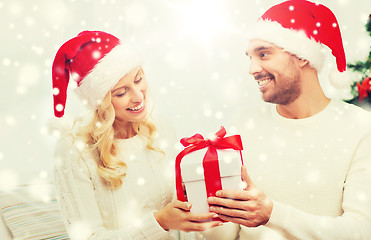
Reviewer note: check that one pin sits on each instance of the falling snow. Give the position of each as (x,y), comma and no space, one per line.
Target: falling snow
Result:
(195,66)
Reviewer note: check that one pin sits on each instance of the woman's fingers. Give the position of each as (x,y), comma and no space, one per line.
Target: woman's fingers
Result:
(201,226)
(186,206)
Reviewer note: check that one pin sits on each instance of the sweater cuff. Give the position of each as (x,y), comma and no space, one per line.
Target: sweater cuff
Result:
(279,216)
(153,230)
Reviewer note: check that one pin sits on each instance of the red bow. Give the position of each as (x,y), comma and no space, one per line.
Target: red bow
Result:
(210,163)
(364,88)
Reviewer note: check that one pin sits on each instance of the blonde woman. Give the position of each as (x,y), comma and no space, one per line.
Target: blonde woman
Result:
(113,179)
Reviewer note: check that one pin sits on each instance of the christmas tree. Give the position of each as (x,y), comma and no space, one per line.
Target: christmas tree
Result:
(361,90)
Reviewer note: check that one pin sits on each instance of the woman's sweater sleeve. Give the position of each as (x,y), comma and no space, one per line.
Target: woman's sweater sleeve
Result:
(355,222)
(78,203)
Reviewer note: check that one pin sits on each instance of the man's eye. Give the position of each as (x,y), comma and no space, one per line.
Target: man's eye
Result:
(264,54)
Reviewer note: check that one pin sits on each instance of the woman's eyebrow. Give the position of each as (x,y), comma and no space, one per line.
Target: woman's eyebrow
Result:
(115,90)
(136,75)
(139,71)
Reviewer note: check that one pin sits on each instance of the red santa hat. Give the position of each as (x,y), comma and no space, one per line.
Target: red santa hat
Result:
(96,61)
(302,28)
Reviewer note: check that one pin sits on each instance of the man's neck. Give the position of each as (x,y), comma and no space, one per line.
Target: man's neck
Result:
(311,101)
(298,109)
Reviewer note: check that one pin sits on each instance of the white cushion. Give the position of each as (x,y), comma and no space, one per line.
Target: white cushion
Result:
(31,212)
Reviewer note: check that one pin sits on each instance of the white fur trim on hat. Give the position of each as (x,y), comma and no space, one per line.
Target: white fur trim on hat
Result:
(106,74)
(292,41)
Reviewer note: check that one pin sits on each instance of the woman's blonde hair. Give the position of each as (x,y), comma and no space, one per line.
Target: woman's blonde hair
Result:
(100,136)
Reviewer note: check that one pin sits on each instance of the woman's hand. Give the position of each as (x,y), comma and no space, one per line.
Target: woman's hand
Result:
(176,216)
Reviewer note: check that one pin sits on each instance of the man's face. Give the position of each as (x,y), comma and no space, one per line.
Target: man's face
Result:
(276,71)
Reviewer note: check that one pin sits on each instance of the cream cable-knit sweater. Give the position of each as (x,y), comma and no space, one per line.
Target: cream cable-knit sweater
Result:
(317,170)
(92,211)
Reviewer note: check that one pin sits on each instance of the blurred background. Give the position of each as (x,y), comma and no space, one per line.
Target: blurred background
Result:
(194,61)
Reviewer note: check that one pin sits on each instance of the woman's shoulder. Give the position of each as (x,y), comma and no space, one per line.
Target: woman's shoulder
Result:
(71,150)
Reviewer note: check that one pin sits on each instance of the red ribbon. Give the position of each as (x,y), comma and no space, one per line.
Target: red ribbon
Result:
(210,162)
(364,88)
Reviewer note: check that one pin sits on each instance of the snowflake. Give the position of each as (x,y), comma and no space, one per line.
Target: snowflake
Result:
(164,144)
(163,90)
(7,62)
(219,115)
(263,157)
(59,107)
(208,112)
(21,89)
(362,197)
(10,121)
(55,91)
(96,54)
(141,181)
(199,170)
(8,180)
(313,177)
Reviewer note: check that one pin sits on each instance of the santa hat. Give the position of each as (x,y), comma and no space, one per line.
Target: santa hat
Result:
(301,27)
(96,61)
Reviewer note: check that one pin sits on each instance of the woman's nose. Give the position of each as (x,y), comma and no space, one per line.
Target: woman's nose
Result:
(137,94)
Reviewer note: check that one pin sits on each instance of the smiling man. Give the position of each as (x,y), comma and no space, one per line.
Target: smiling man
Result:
(307,160)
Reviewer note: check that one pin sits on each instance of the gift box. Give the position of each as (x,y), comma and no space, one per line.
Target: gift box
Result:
(206,166)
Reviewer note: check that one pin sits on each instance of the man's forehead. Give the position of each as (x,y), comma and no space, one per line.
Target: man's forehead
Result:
(258,44)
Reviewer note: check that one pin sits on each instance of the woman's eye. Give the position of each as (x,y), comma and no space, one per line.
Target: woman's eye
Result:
(138,80)
(121,94)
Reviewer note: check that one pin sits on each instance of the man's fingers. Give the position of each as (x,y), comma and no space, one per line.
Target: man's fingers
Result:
(246,178)
(238,213)
(236,220)
(225,202)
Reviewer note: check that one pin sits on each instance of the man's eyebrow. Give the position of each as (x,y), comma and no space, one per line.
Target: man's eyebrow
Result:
(258,49)
(262,48)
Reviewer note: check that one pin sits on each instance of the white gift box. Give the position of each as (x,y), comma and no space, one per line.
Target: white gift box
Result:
(193,175)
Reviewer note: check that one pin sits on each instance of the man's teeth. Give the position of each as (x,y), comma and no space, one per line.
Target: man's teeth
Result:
(263,82)
(137,107)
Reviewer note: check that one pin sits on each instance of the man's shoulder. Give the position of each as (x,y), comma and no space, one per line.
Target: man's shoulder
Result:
(353,115)
(352,110)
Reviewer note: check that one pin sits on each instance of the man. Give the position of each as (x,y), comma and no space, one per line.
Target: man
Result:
(307,157)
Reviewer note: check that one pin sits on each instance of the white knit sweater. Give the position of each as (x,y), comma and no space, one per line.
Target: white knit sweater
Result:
(317,170)
(93,211)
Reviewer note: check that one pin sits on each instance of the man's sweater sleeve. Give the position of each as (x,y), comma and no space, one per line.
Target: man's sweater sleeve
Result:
(355,222)
(78,204)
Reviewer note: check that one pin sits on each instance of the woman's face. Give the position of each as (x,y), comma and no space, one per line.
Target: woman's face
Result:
(129,97)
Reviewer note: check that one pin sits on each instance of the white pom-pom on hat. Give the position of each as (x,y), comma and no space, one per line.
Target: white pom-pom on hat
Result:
(340,80)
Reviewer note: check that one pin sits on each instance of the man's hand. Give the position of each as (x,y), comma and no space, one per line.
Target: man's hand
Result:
(249,207)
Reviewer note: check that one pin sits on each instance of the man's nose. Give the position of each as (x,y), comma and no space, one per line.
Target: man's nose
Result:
(254,67)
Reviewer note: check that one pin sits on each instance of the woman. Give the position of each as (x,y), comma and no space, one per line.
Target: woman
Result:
(113,180)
